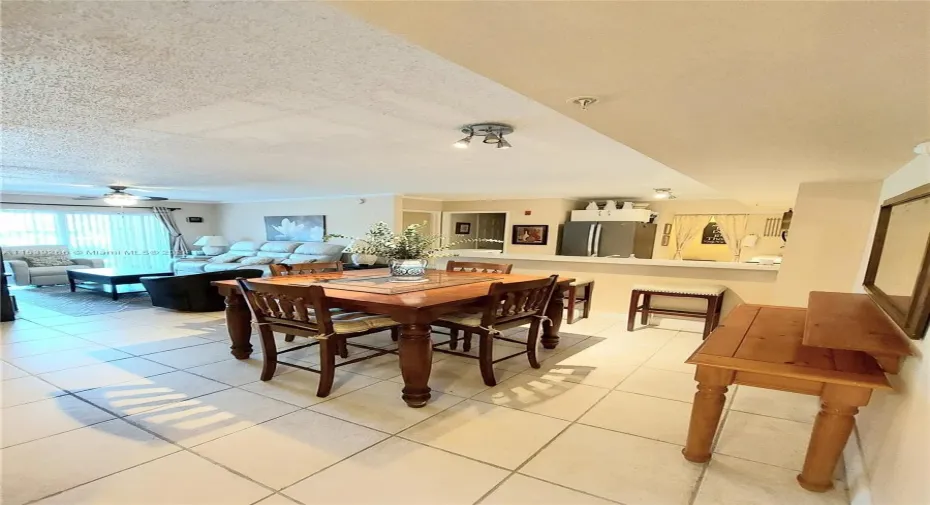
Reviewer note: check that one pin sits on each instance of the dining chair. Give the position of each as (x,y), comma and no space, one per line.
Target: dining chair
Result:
(306,311)
(313,267)
(474,267)
(507,306)
(278,269)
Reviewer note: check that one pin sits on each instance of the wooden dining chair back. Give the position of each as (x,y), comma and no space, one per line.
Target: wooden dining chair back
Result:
(307,312)
(508,305)
(475,266)
(279,269)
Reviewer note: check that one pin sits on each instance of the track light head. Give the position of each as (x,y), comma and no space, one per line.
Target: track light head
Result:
(463,143)
(491,138)
(503,144)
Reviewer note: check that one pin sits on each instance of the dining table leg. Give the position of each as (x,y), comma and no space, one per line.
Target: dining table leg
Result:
(550,336)
(706,411)
(416,360)
(238,325)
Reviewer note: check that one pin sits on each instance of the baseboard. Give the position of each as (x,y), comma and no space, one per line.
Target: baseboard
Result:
(857,479)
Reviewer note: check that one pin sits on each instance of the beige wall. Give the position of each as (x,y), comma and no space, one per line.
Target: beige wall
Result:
(829,234)
(345,216)
(894,429)
(549,211)
(421,204)
(667,210)
(190,231)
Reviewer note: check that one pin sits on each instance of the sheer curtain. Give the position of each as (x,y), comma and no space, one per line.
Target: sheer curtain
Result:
(121,239)
(733,228)
(687,227)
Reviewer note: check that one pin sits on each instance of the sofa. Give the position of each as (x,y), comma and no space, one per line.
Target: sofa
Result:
(27,264)
(258,255)
(194,292)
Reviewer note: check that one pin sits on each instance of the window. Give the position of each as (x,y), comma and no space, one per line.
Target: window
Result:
(125,239)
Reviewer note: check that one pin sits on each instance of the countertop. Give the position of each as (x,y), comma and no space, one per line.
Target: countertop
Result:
(724,265)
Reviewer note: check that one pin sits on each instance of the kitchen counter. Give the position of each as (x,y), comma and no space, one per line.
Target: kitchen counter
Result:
(615,277)
(727,265)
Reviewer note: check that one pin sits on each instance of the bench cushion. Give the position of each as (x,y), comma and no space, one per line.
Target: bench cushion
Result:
(699,290)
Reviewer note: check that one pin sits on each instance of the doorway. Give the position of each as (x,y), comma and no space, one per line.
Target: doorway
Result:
(430,218)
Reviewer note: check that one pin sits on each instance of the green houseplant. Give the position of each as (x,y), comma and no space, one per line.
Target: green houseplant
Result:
(408,252)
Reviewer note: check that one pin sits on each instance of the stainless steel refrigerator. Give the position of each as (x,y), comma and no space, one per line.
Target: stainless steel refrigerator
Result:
(608,238)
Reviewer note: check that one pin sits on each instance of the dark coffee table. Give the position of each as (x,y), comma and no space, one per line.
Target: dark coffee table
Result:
(103,278)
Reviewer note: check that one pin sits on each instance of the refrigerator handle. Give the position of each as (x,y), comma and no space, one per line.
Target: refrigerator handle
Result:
(597,239)
(590,247)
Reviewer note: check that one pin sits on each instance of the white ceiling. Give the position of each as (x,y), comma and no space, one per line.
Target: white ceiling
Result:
(751,98)
(255,101)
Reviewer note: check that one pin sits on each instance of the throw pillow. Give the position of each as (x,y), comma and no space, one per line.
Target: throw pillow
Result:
(256,260)
(226,258)
(48,261)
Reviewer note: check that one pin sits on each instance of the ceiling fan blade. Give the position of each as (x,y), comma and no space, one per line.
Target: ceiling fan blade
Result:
(153,198)
(87,198)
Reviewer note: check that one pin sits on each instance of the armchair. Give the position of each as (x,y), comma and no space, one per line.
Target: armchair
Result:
(15,262)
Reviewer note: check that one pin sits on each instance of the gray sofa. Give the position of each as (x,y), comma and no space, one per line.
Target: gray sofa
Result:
(16,260)
(275,252)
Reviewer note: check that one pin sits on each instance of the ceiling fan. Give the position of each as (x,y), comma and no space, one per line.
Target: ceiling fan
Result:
(119,197)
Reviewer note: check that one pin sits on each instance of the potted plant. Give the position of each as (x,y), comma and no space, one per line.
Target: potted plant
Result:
(408,252)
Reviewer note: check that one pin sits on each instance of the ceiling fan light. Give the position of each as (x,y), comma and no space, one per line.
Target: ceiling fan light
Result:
(491,138)
(503,144)
(120,199)
(462,143)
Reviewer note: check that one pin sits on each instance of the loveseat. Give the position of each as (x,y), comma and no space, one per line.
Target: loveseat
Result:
(259,254)
(43,265)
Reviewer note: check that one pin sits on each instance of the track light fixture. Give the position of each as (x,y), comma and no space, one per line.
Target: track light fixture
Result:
(493,133)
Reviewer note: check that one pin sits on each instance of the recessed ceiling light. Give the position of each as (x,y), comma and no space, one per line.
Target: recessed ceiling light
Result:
(663,194)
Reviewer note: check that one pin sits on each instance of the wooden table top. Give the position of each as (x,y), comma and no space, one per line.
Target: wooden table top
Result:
(415,300)
(768,340)
(854,322)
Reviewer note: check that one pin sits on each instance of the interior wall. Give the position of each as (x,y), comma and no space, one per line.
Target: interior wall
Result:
(190,231)
(893,428)
(830,231)
(463,241)
(543,211)
(421,204)
(344,215)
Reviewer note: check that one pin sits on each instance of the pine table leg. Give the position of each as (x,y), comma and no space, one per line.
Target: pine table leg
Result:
(832,428)
(706,412)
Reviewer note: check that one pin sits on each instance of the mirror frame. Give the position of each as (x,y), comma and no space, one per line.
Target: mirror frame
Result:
(914,321)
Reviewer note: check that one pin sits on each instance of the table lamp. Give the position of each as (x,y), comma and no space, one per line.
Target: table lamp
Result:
(212,245)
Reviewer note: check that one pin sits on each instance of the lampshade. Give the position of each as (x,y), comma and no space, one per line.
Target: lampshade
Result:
(211,241)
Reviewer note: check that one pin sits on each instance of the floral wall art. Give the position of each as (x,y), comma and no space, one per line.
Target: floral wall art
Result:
(295,228)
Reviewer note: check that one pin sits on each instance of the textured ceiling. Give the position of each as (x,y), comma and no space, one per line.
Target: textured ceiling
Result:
(751,98)
(249,101)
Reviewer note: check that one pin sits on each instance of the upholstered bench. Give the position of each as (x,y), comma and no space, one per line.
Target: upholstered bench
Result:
(712,293)
(587,291)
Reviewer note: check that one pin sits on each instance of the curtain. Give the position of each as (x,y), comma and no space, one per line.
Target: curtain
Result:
(733,228)
(686,229)
(178,246)
(124,239)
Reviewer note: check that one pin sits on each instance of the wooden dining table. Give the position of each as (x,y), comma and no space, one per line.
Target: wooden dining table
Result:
(414,310)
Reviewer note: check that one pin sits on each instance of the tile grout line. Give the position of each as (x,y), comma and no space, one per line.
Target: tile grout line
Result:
(553,439)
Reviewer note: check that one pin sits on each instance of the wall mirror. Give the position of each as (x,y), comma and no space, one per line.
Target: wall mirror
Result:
(898,274)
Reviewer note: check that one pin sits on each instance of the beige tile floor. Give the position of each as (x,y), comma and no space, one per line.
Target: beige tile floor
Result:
(148,407)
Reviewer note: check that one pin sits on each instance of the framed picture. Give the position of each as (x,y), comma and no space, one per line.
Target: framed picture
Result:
(462,228)
(530,234)
(665,240)
(295,228)
(667,229)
